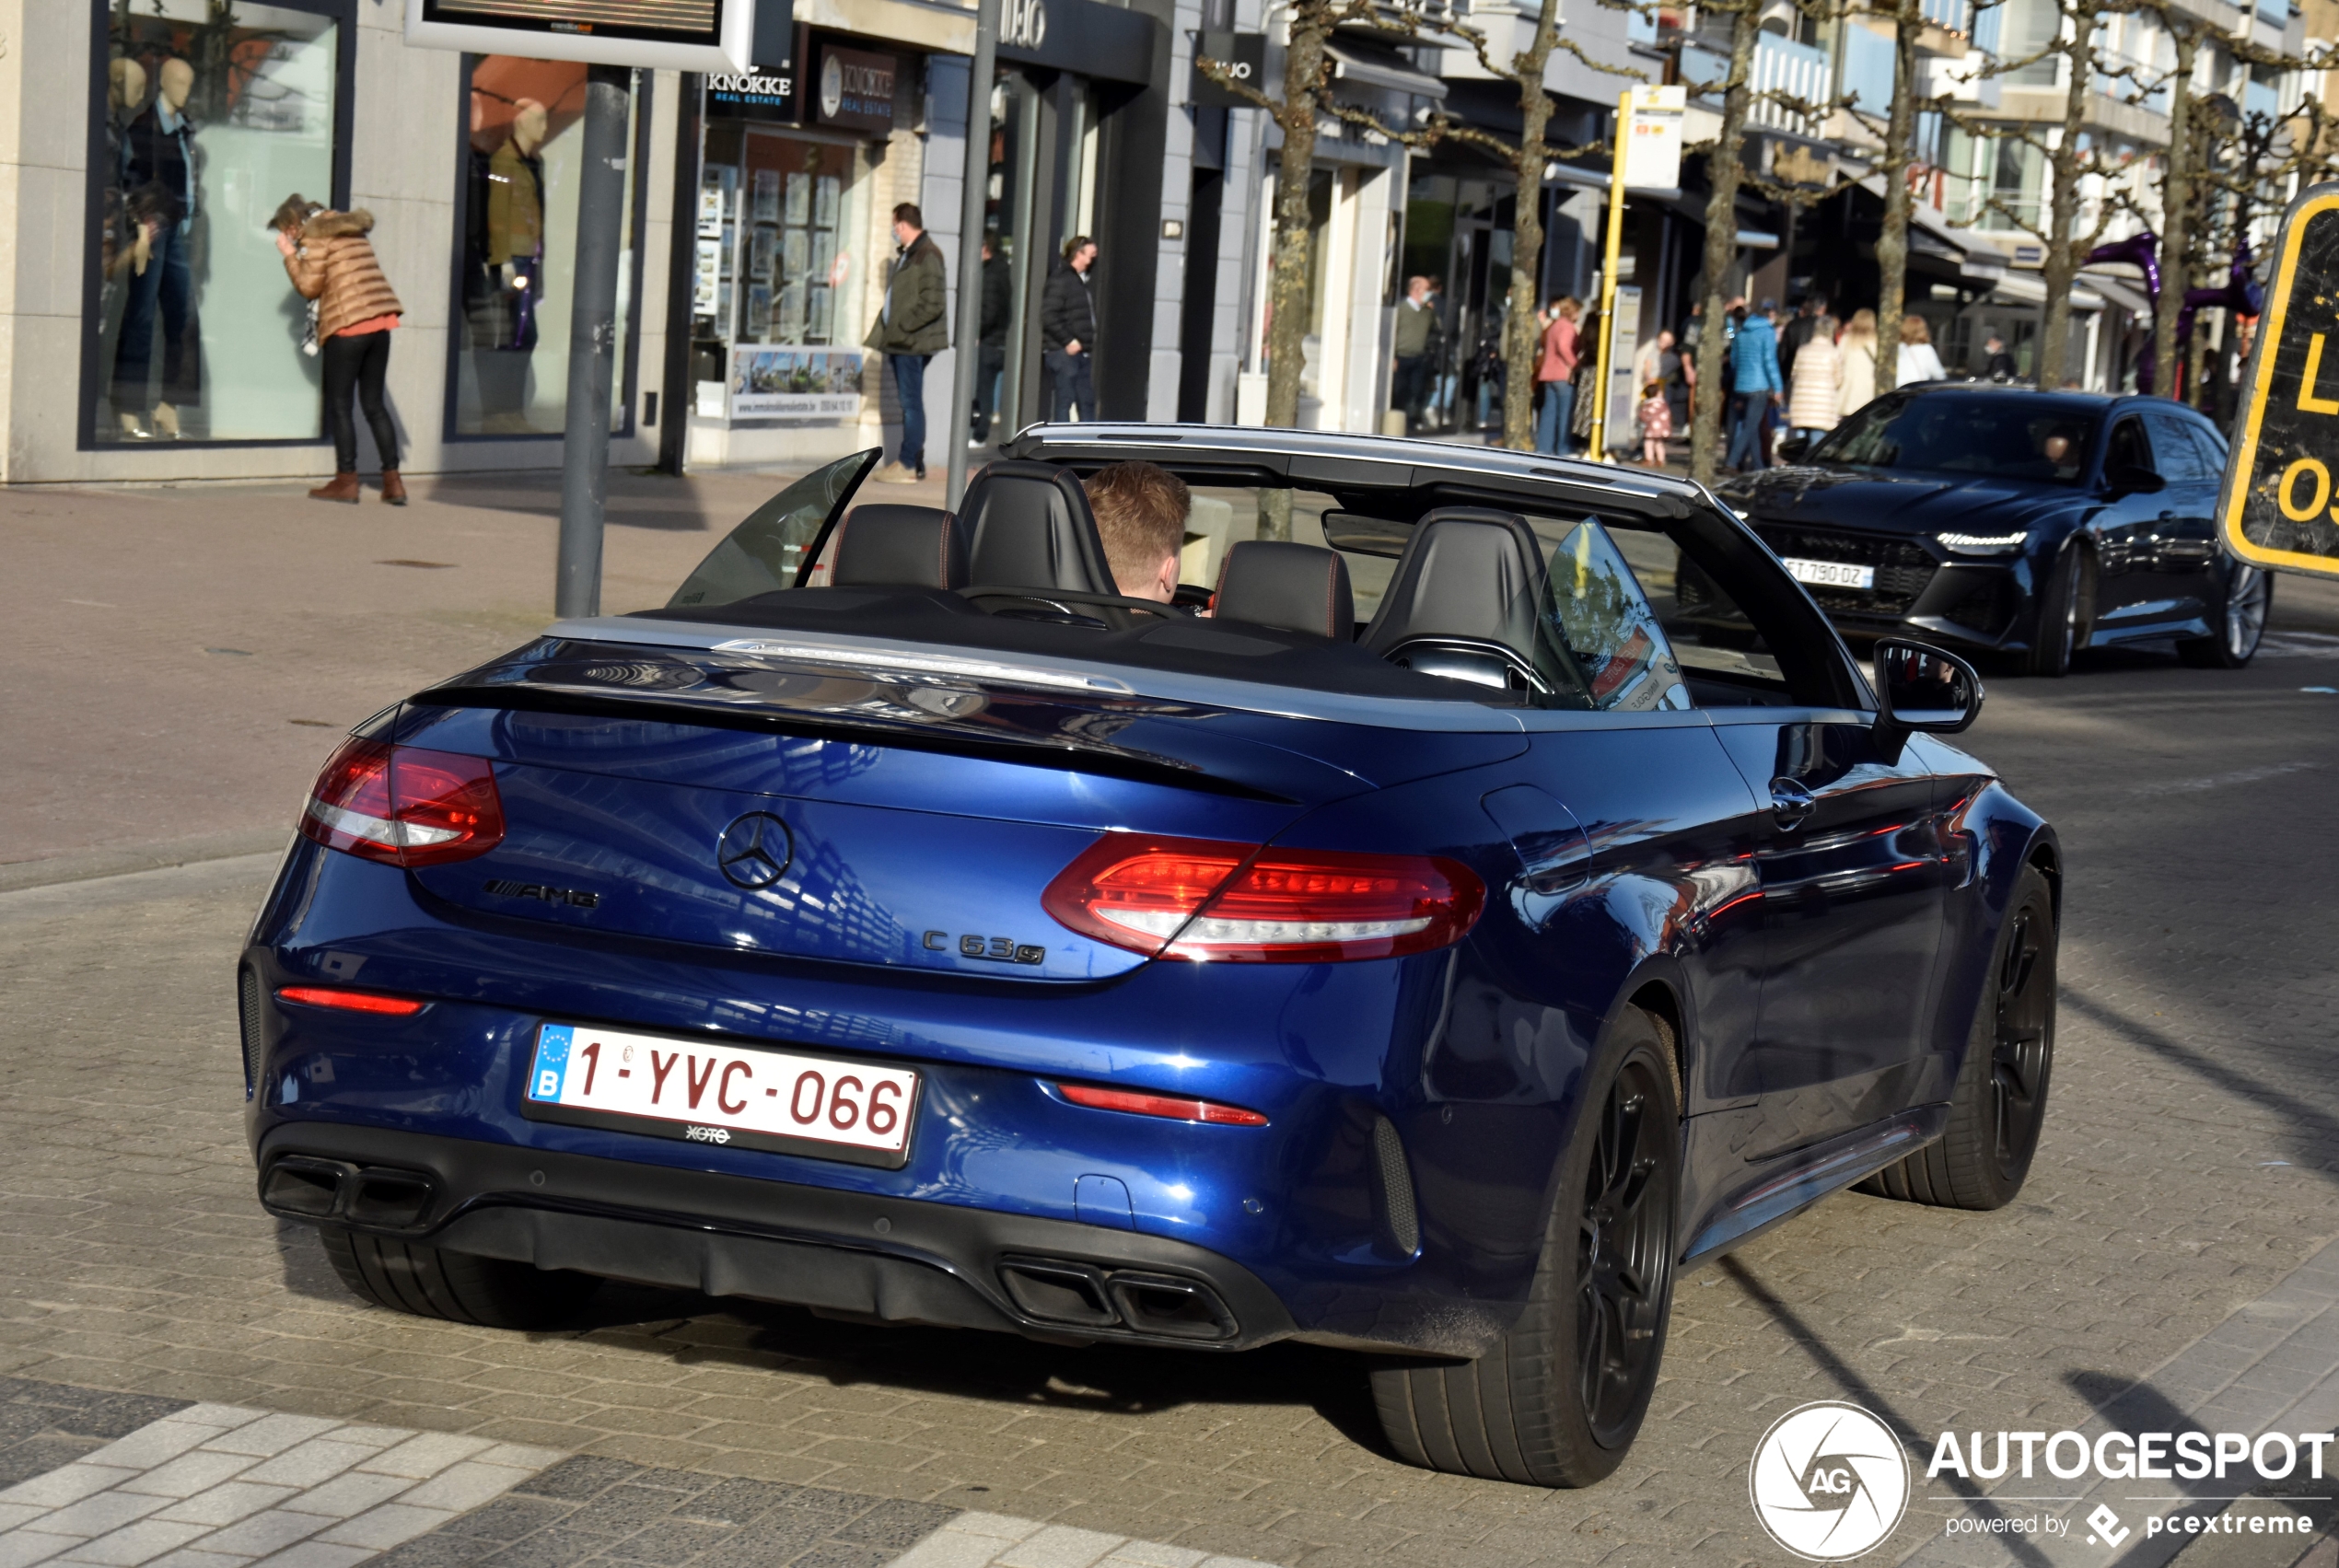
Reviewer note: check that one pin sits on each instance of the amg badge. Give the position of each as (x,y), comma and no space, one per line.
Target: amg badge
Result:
(575,897)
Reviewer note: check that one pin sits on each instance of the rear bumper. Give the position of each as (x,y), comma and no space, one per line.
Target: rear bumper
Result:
(854,1255)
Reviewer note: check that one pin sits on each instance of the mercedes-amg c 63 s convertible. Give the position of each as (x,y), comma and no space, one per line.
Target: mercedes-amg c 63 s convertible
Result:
(1421,938)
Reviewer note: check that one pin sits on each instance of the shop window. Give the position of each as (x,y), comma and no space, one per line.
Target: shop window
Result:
(516,248)
(777,300)
(203,120)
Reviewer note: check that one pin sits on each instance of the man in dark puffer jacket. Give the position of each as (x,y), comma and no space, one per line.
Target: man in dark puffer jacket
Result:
(1068,331)
(911,330)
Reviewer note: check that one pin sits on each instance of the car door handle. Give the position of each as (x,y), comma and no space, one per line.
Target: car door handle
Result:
(1790,802)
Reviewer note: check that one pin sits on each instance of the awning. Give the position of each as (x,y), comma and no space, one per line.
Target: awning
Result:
(2126,293)
(2028,288)
(1978,257)
(1353,60)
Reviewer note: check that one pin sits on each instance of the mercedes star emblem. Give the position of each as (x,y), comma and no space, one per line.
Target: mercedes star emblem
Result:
(755,852)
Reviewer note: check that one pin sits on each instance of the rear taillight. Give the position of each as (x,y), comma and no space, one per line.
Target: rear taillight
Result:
(350,1001)
(1205,898)
(1176,1108)
(405,806)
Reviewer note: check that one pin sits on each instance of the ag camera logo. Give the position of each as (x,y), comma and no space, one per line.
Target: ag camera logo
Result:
(1829,1481)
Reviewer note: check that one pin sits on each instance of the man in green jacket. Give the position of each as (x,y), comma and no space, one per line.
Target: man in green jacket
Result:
(911,328)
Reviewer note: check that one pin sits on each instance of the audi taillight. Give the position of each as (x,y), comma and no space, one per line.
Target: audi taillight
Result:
(405,806)
(1206,899)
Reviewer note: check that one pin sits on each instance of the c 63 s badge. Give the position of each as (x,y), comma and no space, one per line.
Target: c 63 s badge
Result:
(575,897)
(996,949)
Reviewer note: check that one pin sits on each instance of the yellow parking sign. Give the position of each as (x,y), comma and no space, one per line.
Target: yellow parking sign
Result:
(2280,507)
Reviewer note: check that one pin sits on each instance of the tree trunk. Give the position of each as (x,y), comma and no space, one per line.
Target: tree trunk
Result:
(1893,241)
(2061,263)
(2176,217)
(1521,341)
(1303,71)
(1722,170)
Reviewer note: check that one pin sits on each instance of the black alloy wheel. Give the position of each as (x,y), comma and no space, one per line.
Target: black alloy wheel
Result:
(2066,603)
(1558,1397)
(2000,1102)
(2242,606)
(1624,1254)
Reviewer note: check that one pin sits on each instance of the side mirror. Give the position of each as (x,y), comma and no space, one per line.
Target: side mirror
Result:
(2127,479)
(1920,687)
(1791,448)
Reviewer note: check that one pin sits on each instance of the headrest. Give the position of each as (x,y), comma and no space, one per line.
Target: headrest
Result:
(1470,572)
(911,546)
(1301,587)
(1029,527)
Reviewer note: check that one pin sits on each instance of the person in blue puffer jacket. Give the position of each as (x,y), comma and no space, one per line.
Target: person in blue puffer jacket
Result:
(1755,384)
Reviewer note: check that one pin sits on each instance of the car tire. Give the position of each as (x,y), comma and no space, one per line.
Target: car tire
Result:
(2063,614)
(2000,1102)
(2245,600)
(1559,1398)
(461,1287)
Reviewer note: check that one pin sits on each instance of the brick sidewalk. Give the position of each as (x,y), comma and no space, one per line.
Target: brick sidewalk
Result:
(182,659)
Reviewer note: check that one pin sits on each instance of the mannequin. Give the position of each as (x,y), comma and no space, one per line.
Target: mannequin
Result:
(158,173)
(122,242)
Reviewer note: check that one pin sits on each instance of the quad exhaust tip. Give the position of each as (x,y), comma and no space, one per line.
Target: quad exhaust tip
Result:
(380,1197)
(1082,1295)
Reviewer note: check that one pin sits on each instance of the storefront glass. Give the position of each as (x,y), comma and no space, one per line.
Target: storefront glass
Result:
(518,223)
(208,118)
(777,298)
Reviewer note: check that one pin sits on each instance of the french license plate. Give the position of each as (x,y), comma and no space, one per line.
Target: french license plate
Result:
(1830,573)
(707,1092)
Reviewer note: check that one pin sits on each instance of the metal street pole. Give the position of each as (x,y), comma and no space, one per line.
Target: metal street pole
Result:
(1609,260)
(592,337)
(970,208)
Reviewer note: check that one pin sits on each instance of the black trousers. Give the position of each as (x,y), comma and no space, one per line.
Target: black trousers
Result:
(357,365)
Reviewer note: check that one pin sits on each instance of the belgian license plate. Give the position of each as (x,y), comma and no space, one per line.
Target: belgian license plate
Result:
(1830,573)
(710,1092)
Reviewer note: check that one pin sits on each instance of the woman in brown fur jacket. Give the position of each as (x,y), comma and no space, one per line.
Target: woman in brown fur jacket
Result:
(332,263)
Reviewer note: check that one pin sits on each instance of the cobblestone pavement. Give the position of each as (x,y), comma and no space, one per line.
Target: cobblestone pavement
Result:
(2190,1167)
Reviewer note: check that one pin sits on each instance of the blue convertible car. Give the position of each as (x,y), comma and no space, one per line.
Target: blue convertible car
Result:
(2026,525)
(1431,951)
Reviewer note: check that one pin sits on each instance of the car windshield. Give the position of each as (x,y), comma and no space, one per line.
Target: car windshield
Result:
(2006,435)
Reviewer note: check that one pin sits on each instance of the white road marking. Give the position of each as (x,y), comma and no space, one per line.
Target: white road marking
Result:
(227,1486)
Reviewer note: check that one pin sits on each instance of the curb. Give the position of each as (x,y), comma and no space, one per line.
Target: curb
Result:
(89,865)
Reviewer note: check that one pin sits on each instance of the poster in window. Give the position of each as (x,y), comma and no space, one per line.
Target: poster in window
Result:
(759,253)
(799,197)
(818,320)
(795,258)
(791,322)
(825,205)
(759,313)
(798,383)
(767,195)
(710,210)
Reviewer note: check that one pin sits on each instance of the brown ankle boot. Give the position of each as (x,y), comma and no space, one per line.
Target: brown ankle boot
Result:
(342,488)
(393,488)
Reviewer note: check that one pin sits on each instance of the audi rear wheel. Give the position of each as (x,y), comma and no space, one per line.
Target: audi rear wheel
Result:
(2242,606)
(1560,1397)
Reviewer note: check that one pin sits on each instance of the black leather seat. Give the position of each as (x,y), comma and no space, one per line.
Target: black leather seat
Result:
(1471,576)
(1028,526)
(899,546)
(1300,588)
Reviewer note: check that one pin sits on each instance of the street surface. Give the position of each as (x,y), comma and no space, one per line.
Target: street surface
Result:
(183,659)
